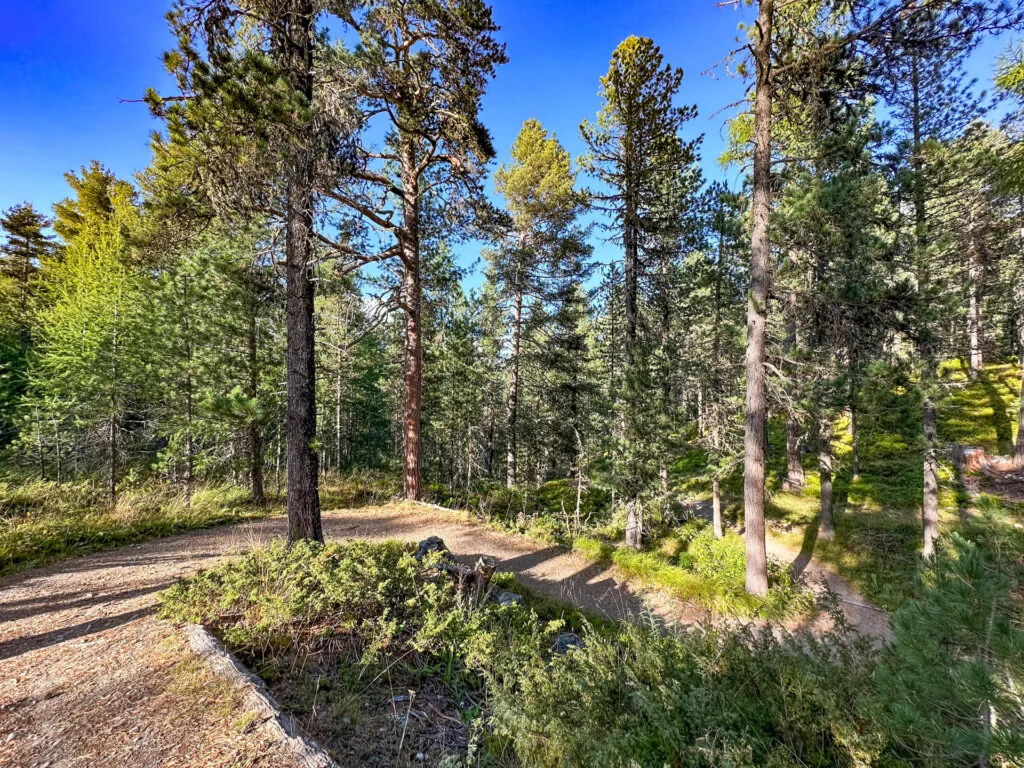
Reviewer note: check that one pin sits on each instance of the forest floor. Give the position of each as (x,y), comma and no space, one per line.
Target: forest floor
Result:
(89,677)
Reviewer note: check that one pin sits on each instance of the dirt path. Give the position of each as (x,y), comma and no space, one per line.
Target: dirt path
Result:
(869,619)
(88,676)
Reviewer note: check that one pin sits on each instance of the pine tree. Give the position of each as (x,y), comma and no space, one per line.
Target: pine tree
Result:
(95,330)
(636,153)
(425,100)
(22,253)
(539,190)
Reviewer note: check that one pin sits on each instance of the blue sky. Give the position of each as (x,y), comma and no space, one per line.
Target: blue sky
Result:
(66,65)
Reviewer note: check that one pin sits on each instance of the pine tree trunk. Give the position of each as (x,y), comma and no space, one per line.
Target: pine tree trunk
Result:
(338,388)
(855,452)
(513,387)
(189,448)
(56,443)
(757,313)
(827,530)
(1019,450)
(112,425)
(112,458)
(930,469)
(974,308)
(411,304)
(300,418)
(794,467)
(255,427)
(39,447)
(189,451)
(716,507)
(630,237)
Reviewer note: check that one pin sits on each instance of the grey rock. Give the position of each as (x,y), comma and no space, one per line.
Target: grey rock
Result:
(509,598)
(431,545)
(567,640)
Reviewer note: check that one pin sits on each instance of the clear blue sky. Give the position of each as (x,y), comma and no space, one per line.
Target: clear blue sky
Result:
(66,65)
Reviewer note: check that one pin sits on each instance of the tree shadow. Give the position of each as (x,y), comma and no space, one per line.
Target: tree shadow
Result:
(20,645)
(806,553)
(1000,417)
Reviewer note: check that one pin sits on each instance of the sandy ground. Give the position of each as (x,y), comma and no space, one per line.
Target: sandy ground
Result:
(88,676)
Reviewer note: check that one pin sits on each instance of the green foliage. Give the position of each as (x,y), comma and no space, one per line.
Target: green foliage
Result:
(692,565)
(375,600)
(950,683)
(709,698)
(634,695)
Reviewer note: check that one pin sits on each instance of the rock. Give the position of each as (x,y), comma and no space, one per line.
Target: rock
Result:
(567,640)
(509,598)
(431,545)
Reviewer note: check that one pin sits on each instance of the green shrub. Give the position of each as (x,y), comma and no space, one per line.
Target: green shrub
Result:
(710,698)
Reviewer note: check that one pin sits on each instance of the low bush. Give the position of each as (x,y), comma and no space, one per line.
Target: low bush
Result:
(943,694)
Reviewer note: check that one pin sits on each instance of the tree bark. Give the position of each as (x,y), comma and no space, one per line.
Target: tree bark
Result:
(827,530)
(39,447)
(794,467)
(112,458)
(513,386)
(1019,449)
(930,500)
(303,475)
(757,312)
(189,447)
(930,468)
(412,305)
(56,445)
(716,507)
(255,427)
(631,246)
(974,306)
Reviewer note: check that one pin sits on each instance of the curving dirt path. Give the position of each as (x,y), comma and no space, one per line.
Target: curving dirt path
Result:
(859,611)
(88,677)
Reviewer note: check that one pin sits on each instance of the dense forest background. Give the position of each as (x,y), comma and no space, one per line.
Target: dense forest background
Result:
(276,298)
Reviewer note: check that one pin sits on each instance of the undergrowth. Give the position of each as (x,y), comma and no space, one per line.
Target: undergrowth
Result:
(692,565)
(354,615)
(42,522)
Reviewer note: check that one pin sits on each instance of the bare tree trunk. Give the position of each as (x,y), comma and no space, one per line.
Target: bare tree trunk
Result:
(930,469)
(1019,450)
(716,507)
(757,312)
(974,307)
(56,443)
(303,469)
(827,530)
(629,237)
(112,426)
(794,467)
(277,462)
(411,304)
(930,500)
(513,386)
(112,458)
(338,385)
(634,524)
(189,449)
(39,447)
(255,427)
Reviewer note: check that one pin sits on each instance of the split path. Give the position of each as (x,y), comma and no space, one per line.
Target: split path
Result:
(88,676)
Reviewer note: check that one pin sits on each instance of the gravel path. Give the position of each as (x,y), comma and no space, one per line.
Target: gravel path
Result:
(88,677)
